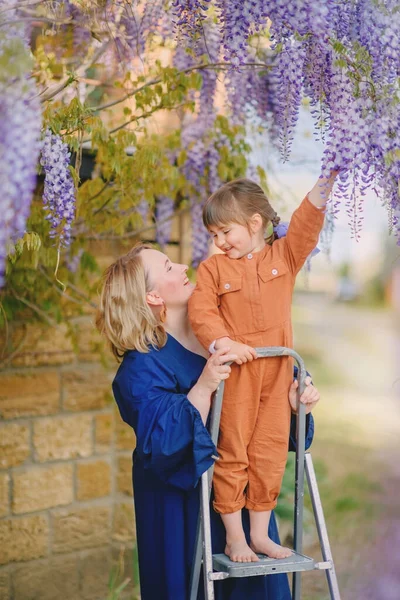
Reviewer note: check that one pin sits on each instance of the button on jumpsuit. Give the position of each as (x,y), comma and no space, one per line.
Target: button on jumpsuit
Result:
(249,300)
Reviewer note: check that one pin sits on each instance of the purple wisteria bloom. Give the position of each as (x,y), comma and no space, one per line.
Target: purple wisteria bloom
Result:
(59,189)
(20,125)
(189,16)
(164,211)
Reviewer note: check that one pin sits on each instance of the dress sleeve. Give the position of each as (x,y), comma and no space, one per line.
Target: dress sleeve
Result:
(309,424)
(204,316)
(303,233)
(309,432)
(171,438)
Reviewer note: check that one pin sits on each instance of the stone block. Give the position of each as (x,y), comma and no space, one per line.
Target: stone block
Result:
(90,343)
(95,573)
(14,444)
(104,430)
(124,475)
(5,585)
(29,394)
(93,479)
(66,437)
(23,538)
(81,528)
(125,438)
(56,578)
(38,488)
(86,389)
(124,522)
(4,494)
(44,346)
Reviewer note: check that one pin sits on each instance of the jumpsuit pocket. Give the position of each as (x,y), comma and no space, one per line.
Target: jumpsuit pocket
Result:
(276,286)
(229,299)
(273,270)
(234,284)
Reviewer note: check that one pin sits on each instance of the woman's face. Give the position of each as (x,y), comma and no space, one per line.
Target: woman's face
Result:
(166,278)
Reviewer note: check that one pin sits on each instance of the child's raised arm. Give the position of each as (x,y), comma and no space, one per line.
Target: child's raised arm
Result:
(321,190)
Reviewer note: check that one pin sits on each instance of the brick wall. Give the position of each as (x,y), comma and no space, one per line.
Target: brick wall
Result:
(66,507)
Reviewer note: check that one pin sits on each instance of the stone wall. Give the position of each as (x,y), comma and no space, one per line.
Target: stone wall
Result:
(66,507)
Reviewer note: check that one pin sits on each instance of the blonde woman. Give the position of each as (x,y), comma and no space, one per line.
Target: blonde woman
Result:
(163,389)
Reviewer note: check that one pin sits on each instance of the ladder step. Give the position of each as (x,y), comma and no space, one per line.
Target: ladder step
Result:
(265,566)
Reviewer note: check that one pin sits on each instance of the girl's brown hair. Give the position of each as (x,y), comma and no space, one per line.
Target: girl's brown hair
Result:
(236,202)
(123,315)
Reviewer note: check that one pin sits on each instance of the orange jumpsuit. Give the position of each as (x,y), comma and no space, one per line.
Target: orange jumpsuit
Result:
(249,300)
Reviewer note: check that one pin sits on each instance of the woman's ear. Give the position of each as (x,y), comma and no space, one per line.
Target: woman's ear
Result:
(153,298)
(256,223)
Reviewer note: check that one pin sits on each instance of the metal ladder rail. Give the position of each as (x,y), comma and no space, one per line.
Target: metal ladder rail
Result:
(321,529)
(203,542)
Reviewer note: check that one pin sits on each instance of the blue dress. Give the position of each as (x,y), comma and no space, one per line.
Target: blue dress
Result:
(173,450)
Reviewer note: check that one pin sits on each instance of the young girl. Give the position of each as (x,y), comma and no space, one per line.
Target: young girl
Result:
(243,300)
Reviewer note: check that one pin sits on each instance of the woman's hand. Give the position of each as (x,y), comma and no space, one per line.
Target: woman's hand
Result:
(309,397)
(213,373)
(216,369)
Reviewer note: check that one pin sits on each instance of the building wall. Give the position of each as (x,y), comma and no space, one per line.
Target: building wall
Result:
(66,507)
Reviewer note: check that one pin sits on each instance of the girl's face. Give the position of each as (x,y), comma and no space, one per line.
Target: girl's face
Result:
(236,240)
(167,279)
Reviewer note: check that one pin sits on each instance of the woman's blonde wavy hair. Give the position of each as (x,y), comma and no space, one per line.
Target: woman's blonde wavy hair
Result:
(236,202)
(123,316)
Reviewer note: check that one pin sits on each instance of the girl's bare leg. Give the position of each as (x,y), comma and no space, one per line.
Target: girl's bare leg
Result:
(237,547)
(260,542)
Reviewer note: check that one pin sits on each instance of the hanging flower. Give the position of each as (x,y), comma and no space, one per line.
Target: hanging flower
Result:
(20,126)
(59,189)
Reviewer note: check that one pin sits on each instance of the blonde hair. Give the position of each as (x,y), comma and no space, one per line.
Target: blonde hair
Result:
(123,316)
(236,202)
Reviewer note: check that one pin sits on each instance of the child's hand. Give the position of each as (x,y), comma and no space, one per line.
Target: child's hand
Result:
(309,397)
(244,353)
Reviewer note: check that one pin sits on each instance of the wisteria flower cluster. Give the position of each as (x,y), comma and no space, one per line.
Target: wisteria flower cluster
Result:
(341,56)
(20,126)
(189,16)
(164,211)
(59,188)
(344,58)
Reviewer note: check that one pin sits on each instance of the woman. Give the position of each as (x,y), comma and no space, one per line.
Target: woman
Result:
(163,389)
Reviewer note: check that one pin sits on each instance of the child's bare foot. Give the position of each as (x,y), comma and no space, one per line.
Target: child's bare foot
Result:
(239,551)
(265,545)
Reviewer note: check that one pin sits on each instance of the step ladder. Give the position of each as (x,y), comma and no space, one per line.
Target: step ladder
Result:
(219,566)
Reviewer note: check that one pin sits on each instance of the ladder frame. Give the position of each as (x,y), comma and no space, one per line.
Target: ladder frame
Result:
(304,465)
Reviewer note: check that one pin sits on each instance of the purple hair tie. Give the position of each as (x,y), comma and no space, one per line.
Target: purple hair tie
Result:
(281,230)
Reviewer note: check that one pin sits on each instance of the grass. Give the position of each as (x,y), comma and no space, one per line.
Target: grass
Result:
(121,587)
(348,482)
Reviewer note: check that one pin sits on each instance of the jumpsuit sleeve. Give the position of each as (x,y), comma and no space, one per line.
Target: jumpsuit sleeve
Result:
(204,316)
(303,233)
(171,438)
(309,425)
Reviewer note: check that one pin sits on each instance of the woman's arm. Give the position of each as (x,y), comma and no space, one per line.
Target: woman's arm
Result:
(171,438)
(213,373)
